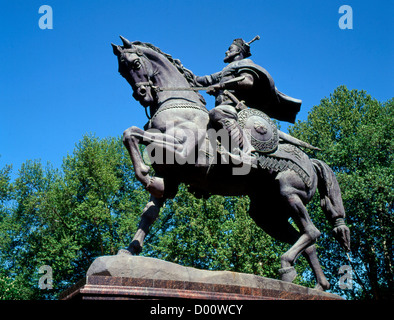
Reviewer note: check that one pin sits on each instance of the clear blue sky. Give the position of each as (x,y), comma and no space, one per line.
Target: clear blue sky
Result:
(59,84)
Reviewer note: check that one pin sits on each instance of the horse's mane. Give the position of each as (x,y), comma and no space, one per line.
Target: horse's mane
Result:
(189,76)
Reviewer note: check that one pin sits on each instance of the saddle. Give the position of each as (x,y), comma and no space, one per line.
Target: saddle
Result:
(272,148)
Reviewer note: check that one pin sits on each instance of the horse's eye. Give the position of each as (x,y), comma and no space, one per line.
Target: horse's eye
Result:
(136,64)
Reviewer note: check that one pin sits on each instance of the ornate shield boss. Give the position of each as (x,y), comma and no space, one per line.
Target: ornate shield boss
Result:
(260,128)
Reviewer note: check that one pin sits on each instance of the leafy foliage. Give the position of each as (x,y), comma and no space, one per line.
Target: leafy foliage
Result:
(67,218)
(356,133)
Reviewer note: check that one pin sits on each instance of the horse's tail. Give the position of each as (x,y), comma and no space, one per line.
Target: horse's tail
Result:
(331,202)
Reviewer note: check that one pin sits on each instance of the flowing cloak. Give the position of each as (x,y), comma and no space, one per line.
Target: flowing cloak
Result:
(264,95)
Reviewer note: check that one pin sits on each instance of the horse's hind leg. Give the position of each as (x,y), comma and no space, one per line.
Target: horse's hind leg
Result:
(292,191)
(309,233)
(278,226)
(149,215)
(311,257)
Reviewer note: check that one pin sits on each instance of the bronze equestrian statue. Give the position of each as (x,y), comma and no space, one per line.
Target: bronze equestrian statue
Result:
(279,178)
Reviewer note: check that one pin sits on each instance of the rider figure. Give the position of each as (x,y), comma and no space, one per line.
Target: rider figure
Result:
(256,88)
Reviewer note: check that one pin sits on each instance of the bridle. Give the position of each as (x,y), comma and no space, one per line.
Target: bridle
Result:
(150,75)
(148,83)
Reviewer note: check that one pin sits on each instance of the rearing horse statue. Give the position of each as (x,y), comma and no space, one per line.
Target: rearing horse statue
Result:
(279,184)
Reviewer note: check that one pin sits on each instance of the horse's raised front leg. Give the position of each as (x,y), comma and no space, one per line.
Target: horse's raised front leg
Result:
(132,137)
(148,217)
(180,143)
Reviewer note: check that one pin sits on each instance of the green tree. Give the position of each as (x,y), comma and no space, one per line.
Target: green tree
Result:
(10,287)
(355,133)
(65,218)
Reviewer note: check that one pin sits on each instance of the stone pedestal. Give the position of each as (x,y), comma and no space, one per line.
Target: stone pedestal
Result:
(126,277)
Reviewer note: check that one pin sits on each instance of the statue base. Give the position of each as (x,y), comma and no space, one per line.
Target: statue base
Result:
(126,277)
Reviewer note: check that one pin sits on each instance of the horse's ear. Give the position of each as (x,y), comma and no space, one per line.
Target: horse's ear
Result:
(115,49)
(126,43)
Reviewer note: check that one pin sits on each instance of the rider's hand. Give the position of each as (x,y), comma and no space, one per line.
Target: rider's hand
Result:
(211,90)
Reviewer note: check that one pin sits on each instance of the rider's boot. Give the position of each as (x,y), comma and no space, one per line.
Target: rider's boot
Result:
(240,148)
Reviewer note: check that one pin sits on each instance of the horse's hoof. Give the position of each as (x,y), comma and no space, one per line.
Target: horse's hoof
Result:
(288,274)
(322,286)
(134,248)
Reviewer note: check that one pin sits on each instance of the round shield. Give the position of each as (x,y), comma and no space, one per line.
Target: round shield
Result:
(260,128)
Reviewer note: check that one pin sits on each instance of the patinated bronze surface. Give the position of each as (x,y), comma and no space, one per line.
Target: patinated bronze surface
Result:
(231,150)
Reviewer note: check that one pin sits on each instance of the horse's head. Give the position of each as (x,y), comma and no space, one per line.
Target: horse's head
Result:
(146,67)
(137,70)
